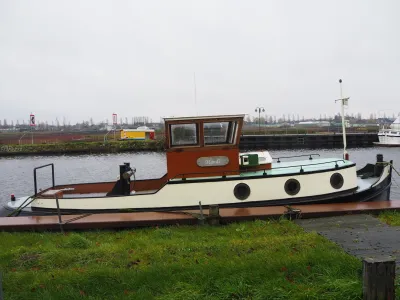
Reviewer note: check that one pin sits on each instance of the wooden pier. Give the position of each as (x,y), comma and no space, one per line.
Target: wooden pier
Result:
(288,141)
(215,215)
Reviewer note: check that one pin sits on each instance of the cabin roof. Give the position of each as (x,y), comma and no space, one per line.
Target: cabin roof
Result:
(196,118)
(138,130)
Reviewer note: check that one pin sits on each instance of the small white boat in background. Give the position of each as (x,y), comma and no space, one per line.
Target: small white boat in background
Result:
(390,137)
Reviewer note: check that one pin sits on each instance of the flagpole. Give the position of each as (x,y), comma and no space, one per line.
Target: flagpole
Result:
(195,92)
(343,125)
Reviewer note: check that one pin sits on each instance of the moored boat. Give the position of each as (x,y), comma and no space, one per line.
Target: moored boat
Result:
(390,137)
(204,166)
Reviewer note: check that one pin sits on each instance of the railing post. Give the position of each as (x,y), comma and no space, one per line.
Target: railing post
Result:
(378,278)
(34,175)
(52,174)
(213,215)
(59,215)
(34,181)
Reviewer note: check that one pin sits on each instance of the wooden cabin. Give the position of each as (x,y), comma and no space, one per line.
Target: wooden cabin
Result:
(207,146)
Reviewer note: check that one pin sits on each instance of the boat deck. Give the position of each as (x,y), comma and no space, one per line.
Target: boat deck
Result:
(140,219)
(366,183)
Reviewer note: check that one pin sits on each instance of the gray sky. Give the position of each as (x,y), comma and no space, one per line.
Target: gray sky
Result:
(81,59)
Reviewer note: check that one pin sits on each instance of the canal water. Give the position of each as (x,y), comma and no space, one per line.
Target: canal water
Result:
(16,173)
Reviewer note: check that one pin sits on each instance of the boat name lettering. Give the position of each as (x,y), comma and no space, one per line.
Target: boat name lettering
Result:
(212,161)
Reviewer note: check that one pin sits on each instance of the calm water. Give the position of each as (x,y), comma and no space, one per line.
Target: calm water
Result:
(16,173)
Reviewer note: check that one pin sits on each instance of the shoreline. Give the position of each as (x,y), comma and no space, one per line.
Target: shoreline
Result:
(247,143)
(80,148)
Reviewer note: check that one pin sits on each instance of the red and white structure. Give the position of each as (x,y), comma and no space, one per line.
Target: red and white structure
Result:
(32,121)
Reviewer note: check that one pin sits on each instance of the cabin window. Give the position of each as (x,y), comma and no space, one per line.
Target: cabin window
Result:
(184,134)
(217,133)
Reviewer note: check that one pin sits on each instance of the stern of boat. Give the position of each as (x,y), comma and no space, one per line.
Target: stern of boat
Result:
(375,180)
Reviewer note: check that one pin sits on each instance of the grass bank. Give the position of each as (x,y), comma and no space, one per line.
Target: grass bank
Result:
(82,147)
(390,217)
(253,260)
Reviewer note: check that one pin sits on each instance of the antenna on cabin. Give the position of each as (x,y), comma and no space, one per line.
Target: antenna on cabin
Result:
(195,92)
(344,101)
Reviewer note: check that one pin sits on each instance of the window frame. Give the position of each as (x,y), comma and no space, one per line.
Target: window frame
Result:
(231,133)
(197,132)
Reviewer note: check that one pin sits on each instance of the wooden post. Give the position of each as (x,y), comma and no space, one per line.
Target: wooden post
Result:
(201,218)
(379,278)
(213,215)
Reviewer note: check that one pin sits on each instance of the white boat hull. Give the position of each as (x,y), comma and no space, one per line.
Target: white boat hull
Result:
(264,192)
(218,192)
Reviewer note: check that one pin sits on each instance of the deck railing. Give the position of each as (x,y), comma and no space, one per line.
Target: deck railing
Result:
(52,175)
(304,155)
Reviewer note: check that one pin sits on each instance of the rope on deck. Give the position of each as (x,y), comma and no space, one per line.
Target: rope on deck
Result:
(389,164)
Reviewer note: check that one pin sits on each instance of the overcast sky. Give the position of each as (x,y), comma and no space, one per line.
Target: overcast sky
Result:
(82,59)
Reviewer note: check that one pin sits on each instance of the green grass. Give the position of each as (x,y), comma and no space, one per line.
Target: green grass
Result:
(254,260)
(390,217)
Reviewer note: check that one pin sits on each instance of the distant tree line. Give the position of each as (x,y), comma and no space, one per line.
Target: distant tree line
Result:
(137,121)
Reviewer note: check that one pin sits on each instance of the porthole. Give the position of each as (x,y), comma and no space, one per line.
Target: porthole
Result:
(292,186)
(241,191)
(337,180)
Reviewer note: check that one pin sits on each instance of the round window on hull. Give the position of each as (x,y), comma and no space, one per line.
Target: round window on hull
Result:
(292,186)
(337,180)
(241,191)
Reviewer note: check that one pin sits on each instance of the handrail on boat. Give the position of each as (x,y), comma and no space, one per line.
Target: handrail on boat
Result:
(321,163)
(264,174)
(52,175)
(310,156)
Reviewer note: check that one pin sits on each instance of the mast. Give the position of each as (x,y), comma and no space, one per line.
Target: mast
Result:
(344,101)
(195,92)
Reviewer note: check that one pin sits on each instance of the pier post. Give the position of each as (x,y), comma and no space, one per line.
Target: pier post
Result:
(379,278)
(59,216)
(201,218)
(213,215)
